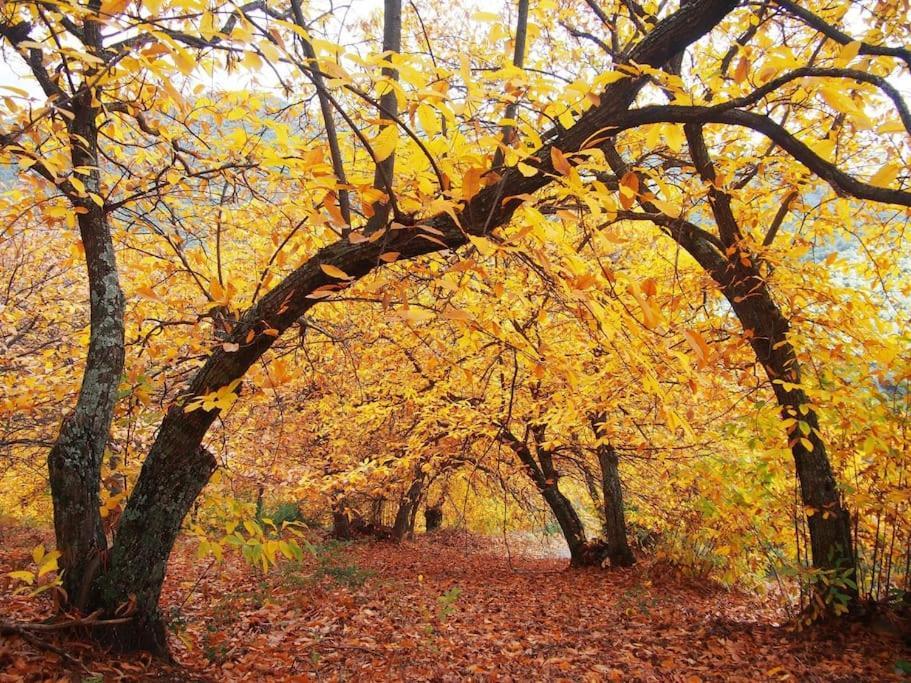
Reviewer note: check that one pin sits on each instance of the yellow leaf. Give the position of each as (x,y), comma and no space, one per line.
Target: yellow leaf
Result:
(383,145)
(674,136)
(848,52)
(112,7)
(484,246)
(667,208)
(886,175)
(38,553)
(651,314)
(28,577)
(891,126)
(608,77)
(49,564)
(207,26)
(526,170)
(428,119)
(836,99)
(252,61)
(184,61)
(566,118)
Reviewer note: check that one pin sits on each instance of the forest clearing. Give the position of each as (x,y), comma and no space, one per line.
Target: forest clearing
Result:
(531,339)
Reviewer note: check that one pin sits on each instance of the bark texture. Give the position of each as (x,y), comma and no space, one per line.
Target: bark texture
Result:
(615,538)
(74,462)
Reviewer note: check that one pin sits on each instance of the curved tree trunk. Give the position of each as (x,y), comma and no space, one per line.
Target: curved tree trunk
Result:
(168,484)
(749,296)
(728,261)
(545,477)
(828,520)
(579,550)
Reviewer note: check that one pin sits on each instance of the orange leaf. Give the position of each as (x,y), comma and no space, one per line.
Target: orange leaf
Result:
(333,271)
(560,162)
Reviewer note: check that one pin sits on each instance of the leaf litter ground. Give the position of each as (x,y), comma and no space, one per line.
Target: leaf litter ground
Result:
(450,606)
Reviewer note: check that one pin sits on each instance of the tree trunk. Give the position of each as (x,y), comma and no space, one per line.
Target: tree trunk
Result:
(376,511)
(341,523)
(748,294)
(727,260)
(570,525)
(74,462)
(618,550)
(405,515)
(384,174)
(167,486)
(828,520)
(545,478)
(433,517)
(615,539)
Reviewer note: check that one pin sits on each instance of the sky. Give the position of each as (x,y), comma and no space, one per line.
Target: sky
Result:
(13,72)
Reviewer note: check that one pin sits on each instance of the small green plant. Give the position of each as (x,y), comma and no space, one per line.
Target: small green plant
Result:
(285,512)
(637,598)
(446,606)
(349,575)
(331,563)
(447,602)
(214,645)
(177,624)
(825,592)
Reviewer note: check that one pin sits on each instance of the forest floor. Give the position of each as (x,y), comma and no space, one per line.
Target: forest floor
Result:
(450,607)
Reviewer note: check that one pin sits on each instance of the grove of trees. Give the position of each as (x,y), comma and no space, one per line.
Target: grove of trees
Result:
(636,271)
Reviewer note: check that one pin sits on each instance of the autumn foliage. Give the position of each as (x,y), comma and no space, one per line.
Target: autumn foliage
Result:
(633,275)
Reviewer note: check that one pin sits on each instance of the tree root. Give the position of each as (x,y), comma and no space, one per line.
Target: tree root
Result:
(26,631)
(22,631)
